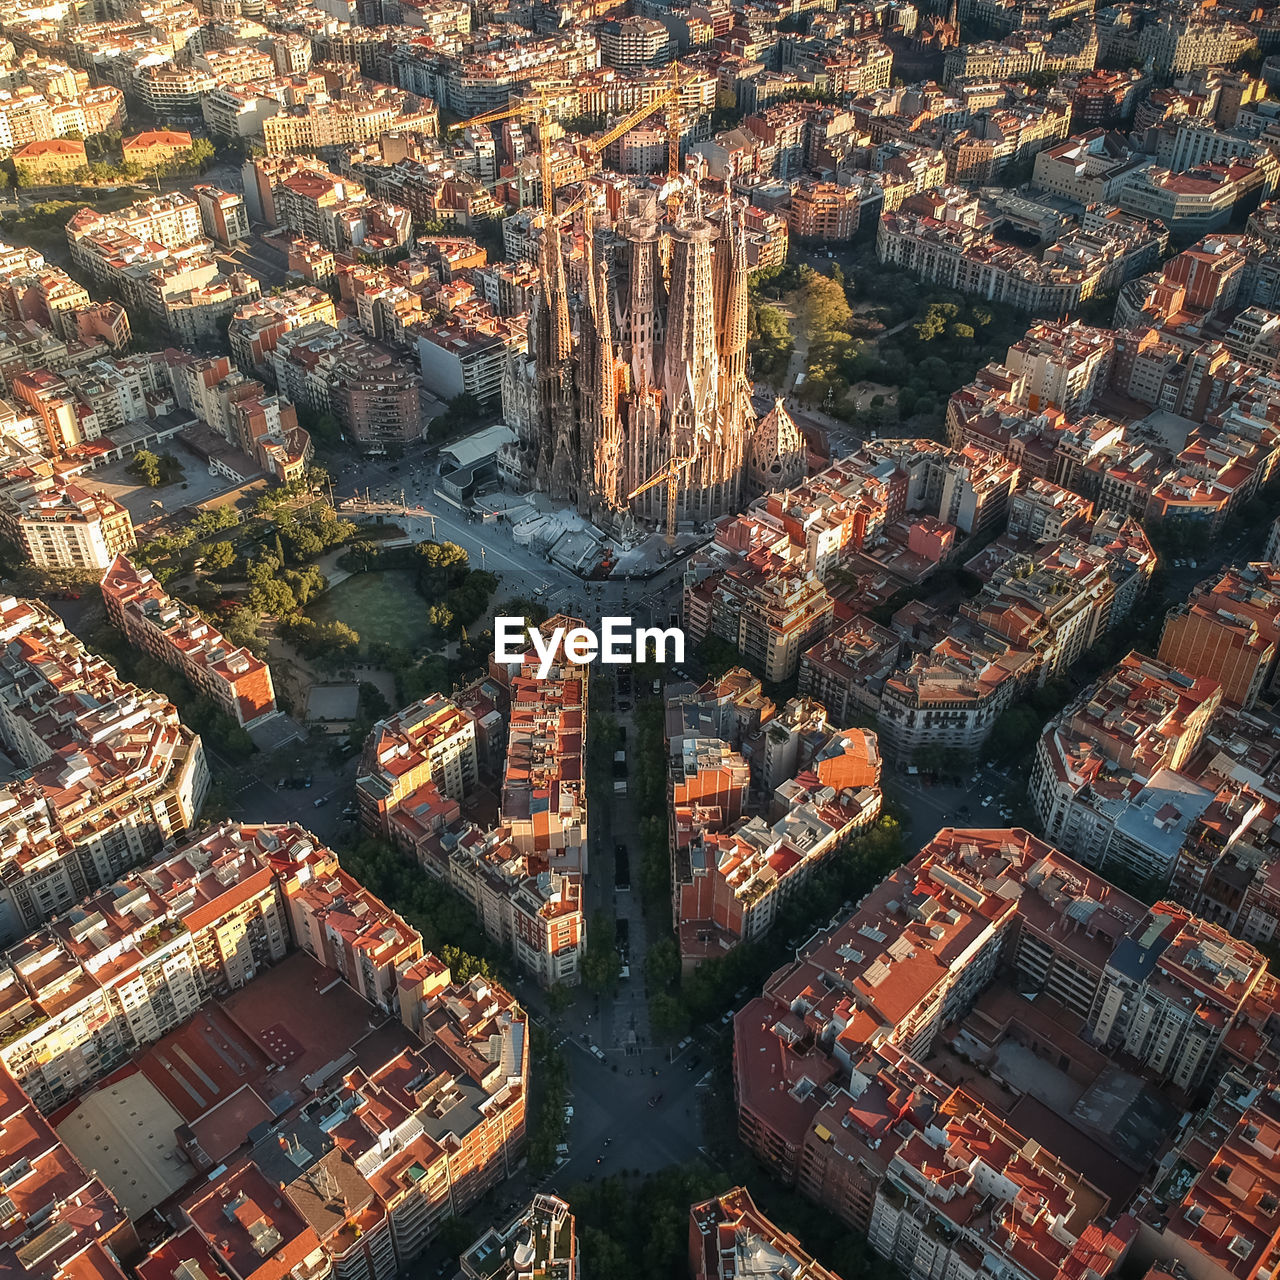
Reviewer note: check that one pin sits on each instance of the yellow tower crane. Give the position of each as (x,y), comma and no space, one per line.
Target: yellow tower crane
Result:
(537,107)
(670,475)
(674,122)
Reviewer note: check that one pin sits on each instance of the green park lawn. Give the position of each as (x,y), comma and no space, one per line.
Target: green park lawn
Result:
(380,606)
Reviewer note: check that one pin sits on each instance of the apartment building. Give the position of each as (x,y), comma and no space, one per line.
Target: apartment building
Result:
(543,800)
(831,1088)
(231,677)
(539,1243)
(395,1147)
(949,696)
(523,875)
(263,427)
(154,254)
(1055,602)
(1174,40)
(1062,366)
(1088,168)
(846,671)
(171,220)
(222,214)
(1045,512)
(358,116)
(374,394)
(53,1195)
(730,1237)
(54,101)
(1172,1004)
(412,1129)
(770,609)
(1200,199)
(110,773)
(1215,1220)
(1106,782)
(130,963)
(823,211)
(968,1134)
(433,741)
(309,199)
(171,92)
(823,520)
(256,326)
(1228,631)
(967,488)
(61,524)
(459,358)
(629,43)
(734,864)
(946,237)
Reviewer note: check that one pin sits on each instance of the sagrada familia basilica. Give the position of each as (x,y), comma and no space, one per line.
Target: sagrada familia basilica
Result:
(634,395)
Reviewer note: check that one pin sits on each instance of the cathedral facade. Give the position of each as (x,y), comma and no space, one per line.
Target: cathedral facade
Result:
(639,376)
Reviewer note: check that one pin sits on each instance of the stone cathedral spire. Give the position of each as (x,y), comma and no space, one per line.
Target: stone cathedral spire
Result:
(655,379)
(609,493)
(557,471)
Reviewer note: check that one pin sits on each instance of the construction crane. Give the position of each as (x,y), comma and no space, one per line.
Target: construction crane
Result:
(538,107)
(628,122)
(674,122)
(670,475)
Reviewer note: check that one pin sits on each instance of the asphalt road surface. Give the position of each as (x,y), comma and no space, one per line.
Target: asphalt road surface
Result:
(490,546)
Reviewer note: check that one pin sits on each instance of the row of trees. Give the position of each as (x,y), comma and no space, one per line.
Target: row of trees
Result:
(546,1123)
(649,791)
(445,920)
(103,172)
(633,1228)
(220,731)
(677,1002)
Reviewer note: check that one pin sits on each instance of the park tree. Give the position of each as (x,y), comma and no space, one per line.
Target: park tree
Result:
(305,543)
(822,303)
(306,583)
(667,1016)
(146,466)
(600,963)
(274,598)
(219,556)
(662,963)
